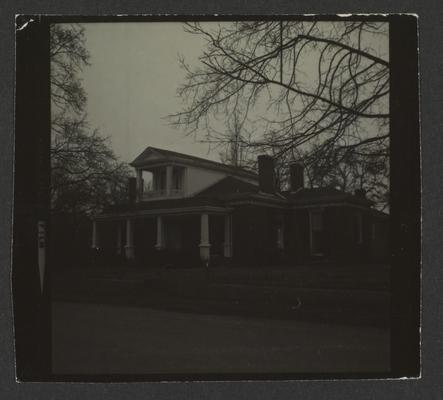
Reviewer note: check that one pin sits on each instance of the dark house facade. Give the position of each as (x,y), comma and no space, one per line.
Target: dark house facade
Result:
(188,211)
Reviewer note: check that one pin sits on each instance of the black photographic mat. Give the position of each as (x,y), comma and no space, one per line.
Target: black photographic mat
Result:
(32,311)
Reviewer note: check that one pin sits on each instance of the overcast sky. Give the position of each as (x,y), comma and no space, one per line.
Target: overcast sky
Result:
(132,81)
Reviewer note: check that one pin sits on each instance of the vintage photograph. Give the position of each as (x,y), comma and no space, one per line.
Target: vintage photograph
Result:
(219,199)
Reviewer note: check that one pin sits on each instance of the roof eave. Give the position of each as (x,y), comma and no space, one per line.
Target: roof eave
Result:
(203,165)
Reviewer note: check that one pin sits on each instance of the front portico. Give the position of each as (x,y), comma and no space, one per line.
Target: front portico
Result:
(188,233)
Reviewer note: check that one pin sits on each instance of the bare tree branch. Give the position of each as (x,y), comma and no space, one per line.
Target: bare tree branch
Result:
(307,89)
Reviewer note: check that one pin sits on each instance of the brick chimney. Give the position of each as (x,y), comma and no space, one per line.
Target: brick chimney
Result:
(266,174)
(132,190)
(296,176)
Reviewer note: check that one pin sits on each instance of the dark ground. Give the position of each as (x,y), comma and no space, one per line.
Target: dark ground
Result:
(104,339)
(195,321)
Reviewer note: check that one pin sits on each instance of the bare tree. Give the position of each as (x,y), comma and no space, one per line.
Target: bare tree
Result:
(309,88)
(86,175)
(232,140)
(350,172)
(68,57)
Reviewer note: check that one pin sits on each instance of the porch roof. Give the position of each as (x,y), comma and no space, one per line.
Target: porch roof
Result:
(192,205)
(229,192)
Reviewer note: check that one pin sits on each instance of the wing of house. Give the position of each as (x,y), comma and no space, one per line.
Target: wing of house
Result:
(183,209)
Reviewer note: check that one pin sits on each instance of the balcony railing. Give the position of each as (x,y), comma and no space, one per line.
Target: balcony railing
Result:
(159,194)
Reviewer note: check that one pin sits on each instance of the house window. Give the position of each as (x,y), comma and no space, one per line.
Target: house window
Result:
(177,179)
(316,232)
(148,181)
(358,228)
(160,180)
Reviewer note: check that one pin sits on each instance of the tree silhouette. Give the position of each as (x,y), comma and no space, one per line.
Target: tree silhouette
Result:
(86,175)
(319,90)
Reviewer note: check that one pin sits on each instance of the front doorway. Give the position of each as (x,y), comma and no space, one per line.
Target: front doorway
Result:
(181,240)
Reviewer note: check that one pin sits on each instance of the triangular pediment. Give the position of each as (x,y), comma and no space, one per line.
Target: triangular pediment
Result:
(153,155)
(147,156)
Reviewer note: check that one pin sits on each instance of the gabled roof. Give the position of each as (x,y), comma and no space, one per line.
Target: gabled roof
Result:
(227,187)
(230,190)
(145,158)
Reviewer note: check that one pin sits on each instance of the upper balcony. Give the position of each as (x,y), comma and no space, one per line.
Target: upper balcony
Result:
(161,183)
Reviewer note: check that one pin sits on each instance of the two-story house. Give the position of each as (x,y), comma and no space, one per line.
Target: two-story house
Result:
(183,210)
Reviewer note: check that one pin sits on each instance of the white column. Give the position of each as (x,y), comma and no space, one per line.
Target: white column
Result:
(159,244)
(204,237)
(94,243)
(185,181)
(139,183)
(169,180)
(129,248)
(119,238)
(227,245)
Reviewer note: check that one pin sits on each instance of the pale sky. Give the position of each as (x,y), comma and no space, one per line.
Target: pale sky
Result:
(132,82)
